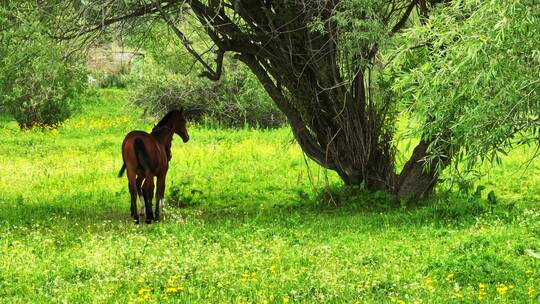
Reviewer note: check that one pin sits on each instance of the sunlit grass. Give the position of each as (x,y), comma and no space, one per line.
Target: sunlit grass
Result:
(247,222)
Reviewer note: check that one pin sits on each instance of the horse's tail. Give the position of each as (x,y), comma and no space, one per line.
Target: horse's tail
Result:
(122,170)
(142,155)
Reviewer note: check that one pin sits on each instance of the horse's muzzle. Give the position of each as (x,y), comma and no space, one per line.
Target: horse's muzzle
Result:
(185,139)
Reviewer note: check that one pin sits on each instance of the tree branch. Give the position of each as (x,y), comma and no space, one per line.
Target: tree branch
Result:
(214,76)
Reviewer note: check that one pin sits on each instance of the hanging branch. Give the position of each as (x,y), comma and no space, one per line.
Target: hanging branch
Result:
(137,12)
(209,73)
(404,18)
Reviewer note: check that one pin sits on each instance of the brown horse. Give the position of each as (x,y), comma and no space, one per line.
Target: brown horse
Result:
(147,156)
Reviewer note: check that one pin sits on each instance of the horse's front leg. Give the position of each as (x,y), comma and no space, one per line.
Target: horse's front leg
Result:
(160,194)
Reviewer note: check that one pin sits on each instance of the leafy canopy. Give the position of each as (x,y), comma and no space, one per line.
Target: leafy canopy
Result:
(470,74)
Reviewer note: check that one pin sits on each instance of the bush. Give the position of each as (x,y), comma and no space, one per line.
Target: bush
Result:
(108,80)
(236,100)
(38,85)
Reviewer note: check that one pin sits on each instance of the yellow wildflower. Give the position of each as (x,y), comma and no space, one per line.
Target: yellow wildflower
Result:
(531,292)
(249,277)
(428,283)
(285,299)
(171,290)
(272,269)
(481,291)
(449,277)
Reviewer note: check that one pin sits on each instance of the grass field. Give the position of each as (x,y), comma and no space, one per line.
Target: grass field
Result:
(247,221)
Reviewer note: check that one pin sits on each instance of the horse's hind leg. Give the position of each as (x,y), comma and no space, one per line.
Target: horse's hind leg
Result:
(148,193)
(139,182)
(133,193)
(160,191)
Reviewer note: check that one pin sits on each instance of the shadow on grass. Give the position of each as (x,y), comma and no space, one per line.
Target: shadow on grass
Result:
(373,210)
(347,210)
(77,209)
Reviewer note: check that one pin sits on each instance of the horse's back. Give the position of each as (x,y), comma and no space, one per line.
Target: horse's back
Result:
(136,134)
(137,142)
(130,138)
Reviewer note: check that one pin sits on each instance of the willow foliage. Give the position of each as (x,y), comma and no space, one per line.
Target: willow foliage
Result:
(471,75)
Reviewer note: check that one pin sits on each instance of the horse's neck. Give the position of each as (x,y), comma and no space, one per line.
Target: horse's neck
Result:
(165,138)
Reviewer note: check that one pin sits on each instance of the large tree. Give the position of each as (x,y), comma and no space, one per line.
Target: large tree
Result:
(319,60)
(38,82)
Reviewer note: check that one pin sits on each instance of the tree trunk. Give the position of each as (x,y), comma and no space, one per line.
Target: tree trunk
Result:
(417,180)
(332,112)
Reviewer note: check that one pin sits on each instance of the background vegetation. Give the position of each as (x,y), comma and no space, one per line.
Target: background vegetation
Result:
(236,100)
(39,80)
(168,78)
(249,217)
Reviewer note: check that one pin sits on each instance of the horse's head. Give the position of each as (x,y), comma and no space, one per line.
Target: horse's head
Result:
(180,125)
(176,122)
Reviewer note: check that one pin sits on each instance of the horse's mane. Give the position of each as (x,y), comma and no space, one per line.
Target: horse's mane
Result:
(158,130)
(165,119)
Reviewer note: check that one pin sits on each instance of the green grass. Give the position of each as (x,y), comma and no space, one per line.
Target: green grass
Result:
(247,222)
